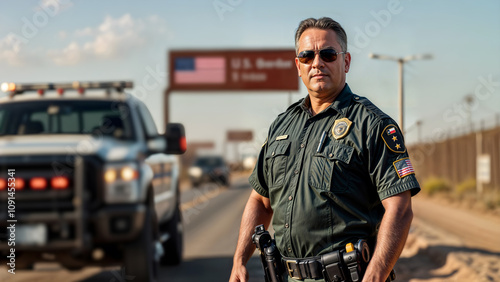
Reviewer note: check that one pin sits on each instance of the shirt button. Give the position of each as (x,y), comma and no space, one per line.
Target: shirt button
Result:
(290,249)
(296,172)
(302,145)
(272,154)
(290,198)
(286,225)
(330,155)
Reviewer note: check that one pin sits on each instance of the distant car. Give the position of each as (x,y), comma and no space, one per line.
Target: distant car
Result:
(208,169)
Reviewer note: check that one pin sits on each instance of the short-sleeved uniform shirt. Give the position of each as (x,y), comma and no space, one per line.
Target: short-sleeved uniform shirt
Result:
(325,194)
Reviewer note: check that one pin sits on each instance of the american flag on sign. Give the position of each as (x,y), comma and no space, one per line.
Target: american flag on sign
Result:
(403,167)
(200,70)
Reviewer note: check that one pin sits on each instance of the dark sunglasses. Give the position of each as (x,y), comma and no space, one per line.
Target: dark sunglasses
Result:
(327,55)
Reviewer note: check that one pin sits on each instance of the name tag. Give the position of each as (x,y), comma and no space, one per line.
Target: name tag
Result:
(282,137)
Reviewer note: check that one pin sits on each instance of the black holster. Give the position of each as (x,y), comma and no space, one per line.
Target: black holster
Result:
(269,255)
(346,266)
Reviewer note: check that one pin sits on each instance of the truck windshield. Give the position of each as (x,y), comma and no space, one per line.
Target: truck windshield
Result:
(108,118)
(210,162)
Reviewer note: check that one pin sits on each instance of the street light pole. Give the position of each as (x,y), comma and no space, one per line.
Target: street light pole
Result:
(401,96)
(401,61)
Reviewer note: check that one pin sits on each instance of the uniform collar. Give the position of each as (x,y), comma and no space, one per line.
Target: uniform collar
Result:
(341,103)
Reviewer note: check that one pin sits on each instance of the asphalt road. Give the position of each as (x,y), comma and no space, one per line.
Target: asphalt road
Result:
(211,216)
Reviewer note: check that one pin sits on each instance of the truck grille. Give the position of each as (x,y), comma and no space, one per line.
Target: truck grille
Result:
(63,209)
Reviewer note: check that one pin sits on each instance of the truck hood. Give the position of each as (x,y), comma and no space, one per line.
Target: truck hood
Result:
(108,149)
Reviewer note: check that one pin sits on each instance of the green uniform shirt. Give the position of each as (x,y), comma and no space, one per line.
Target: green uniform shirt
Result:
(324,196)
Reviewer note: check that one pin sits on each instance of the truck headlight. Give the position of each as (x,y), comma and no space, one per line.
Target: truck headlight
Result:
(195,172)
(122,183)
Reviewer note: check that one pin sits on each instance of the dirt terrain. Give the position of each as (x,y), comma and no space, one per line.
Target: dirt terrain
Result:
(448,243)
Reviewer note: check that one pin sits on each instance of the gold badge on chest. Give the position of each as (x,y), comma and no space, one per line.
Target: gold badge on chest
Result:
(341,128)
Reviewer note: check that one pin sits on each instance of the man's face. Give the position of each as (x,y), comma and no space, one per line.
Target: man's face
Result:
(322,79)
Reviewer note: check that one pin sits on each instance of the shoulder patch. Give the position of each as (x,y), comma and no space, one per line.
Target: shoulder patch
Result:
(403,167)
(393,139)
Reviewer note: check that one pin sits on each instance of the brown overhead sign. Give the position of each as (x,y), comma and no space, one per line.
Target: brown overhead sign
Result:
(239,135)
(200,70)
(201,145)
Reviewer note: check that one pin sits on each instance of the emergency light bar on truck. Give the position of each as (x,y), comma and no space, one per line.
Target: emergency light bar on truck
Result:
(19,88)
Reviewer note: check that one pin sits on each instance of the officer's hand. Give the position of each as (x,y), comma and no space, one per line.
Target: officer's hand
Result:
(239,274)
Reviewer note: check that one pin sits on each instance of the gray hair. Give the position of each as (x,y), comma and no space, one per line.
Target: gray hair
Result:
(324,23)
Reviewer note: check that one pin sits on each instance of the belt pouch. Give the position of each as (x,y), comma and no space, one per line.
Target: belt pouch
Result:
(332,270)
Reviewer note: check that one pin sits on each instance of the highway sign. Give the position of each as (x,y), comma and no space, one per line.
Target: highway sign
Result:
(201,70)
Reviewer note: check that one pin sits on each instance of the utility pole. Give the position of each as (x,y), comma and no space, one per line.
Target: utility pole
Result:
(401,61)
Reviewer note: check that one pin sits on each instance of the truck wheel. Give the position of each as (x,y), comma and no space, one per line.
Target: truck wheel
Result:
(225,181)
(173,246)
(140,263)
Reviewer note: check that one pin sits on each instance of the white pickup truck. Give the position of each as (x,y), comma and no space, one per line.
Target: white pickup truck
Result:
(85,179)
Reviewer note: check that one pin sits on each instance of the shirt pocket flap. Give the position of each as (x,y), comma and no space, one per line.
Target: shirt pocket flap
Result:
(277,149)
(338,152)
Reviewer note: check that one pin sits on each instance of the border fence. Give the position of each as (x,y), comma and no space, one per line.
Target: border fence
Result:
(455,159)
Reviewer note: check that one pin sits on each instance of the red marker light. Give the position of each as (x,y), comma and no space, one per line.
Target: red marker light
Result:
(19,183)
(3,184)
(81,91)
(183,144)
(59,182)
(38,183)
(40,92)
(60,91)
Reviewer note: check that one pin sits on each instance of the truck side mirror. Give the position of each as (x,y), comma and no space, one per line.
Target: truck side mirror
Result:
(176,138)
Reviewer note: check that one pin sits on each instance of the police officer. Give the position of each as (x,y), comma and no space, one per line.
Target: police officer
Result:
(334,168)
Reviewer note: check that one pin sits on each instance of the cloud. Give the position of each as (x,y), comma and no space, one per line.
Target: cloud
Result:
(54,7)
(12,51)
(84,32)
(113,38)
(70,55)
(14,47)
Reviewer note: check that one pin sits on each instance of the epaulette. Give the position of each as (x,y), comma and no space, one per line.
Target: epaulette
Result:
(370,106)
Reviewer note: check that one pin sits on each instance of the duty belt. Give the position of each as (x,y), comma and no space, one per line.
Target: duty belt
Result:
(340,265)
(313,268)
(304,268)
(328,266)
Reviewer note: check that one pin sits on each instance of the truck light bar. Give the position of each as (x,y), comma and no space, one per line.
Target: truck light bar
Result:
(19,88)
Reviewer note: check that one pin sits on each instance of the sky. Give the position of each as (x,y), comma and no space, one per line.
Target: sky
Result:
(68,40)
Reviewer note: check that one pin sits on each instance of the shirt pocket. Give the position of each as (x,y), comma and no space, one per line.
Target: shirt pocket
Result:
(329,168)
(276,158)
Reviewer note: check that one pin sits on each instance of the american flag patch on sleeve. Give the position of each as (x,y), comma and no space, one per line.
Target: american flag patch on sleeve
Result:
(403,167)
